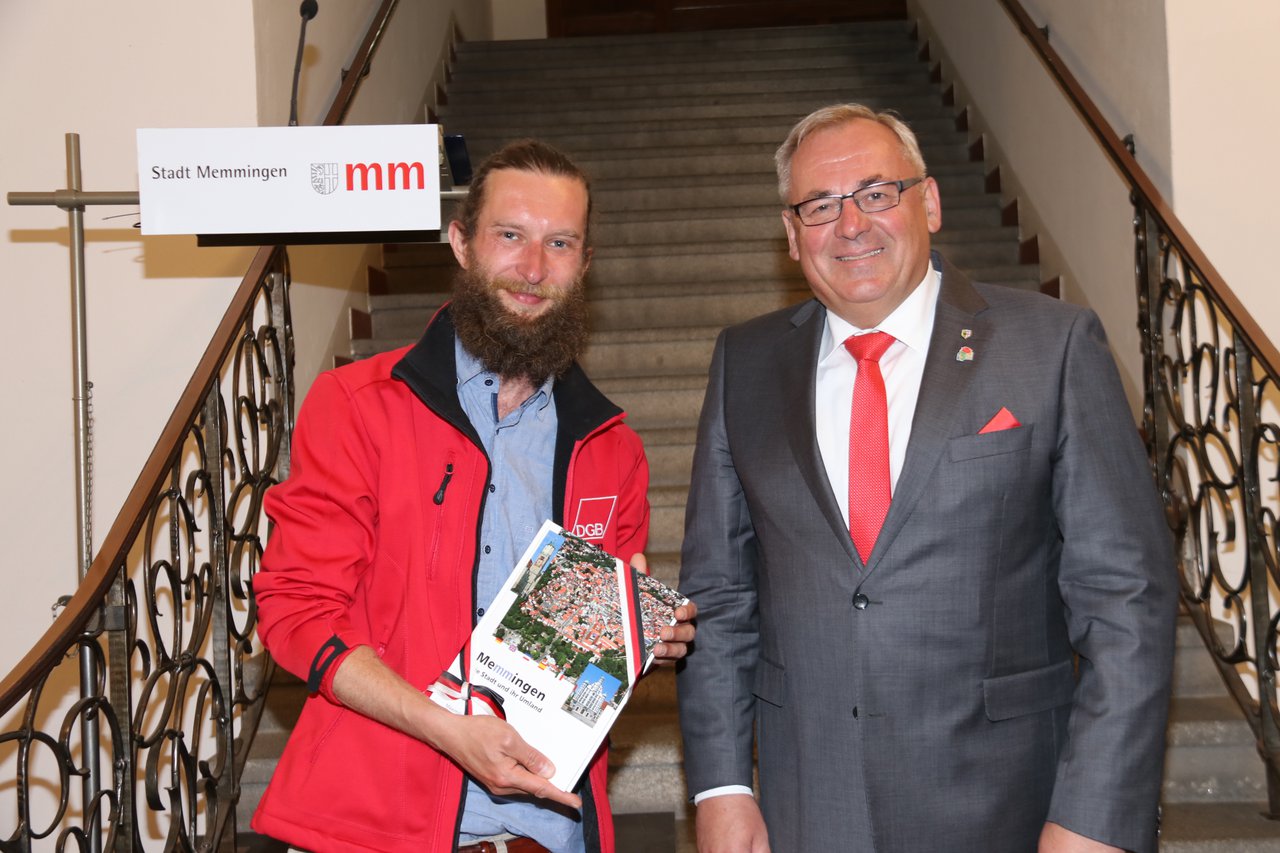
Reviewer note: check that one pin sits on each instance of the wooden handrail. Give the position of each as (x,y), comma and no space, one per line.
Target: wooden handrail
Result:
(1140,183)
(88,597)
(360,65)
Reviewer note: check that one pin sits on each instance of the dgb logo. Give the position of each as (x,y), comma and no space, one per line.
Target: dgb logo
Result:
(594,515)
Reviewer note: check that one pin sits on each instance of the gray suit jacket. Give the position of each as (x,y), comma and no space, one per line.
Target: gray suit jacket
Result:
(930,699)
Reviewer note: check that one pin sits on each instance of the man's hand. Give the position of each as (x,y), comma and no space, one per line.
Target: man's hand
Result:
(493,753)
(487,748)
(675,638)
(731,823)
(1055,838)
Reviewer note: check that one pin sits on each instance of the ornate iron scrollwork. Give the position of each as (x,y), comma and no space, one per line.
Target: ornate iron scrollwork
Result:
(1210,416)
(181,675)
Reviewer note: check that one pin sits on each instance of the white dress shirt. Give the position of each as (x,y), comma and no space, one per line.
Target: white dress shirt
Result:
(902,365)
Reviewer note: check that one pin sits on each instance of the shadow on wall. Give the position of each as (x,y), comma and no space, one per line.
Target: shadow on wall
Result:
(161,257)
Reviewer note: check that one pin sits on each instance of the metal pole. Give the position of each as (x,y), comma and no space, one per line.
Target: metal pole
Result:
(84,479)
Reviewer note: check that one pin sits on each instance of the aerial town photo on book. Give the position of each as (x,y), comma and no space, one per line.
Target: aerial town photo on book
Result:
(567,617)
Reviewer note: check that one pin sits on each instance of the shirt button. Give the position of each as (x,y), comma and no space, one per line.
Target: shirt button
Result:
(487,549)
(480,611)
(860,601)
(855,712)
(488,382)
(492,488)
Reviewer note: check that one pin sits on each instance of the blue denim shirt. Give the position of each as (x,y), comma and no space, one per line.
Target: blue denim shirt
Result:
(521,449)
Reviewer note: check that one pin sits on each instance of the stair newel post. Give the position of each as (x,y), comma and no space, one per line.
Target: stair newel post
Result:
(221,834)
(1156,420)
(118,623)
(282,323)
(1260,602)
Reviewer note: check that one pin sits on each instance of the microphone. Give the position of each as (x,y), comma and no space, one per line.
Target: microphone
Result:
(308,11)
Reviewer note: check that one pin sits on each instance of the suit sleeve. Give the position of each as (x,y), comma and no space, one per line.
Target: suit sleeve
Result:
(324,534)
(1118,583)
(718,572)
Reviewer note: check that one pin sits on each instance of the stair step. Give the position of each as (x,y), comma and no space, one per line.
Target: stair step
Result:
(765,225)
(1211,754)
(646,764)
(673,136)
(1194,673)
(981,213)
(522,87)
(870,38)
(1218,828)
(695,193)
(738,160)
(531,117)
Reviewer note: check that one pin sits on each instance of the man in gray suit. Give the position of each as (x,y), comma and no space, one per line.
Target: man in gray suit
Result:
(939,583)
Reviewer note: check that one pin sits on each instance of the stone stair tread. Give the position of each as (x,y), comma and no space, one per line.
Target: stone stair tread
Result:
(657,159)
(655,334)
(870,31)
(1207,721)
(655,383)
(587,91)
(640,739)
(760,184)
(673,135)
(660,436)
(795,104)
(768,245)
(668,495)
(1218,828)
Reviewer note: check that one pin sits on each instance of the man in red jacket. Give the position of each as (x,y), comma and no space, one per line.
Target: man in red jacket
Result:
(418,477)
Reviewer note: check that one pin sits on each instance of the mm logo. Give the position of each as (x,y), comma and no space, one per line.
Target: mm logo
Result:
(399,176)
(594,515)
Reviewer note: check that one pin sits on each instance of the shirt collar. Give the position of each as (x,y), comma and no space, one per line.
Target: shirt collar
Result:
(471,370)
(911,322)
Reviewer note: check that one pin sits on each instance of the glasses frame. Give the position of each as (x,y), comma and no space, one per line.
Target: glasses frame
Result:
(902,186)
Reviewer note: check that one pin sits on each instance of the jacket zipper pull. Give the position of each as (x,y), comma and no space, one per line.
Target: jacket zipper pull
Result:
(444,484)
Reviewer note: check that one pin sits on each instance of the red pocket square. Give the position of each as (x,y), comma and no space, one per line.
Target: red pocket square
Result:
(1004,419)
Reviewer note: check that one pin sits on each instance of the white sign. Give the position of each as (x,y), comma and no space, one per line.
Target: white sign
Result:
(255,180)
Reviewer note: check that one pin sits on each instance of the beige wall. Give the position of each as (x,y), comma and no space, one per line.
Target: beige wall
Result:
(1069,194)
(519,19)
(330,280)
(1188,80)
(1223,75)
(104,70)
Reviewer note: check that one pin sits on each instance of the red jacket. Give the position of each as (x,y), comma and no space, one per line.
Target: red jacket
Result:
(374,544)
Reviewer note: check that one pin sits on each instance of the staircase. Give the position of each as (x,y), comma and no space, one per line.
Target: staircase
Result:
(1214,783)
(677,132)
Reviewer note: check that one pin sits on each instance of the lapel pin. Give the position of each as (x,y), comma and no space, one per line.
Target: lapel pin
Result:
(964,354)
(966,333)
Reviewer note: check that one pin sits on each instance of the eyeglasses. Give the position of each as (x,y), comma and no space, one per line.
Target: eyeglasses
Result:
(873,198)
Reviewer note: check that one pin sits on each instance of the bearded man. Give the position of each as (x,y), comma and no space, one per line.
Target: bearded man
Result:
(418,478)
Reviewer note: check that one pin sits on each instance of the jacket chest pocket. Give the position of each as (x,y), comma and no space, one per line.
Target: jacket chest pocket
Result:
(990,444)
(984,472)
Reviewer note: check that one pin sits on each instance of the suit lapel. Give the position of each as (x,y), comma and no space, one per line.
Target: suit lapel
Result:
(943,386)
(798,360)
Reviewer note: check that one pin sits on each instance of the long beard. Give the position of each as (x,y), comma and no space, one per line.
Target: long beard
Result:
(512,345)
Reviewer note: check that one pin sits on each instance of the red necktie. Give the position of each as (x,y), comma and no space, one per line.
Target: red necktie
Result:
(869,491)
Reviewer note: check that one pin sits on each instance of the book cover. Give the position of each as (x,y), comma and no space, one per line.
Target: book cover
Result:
(561,647)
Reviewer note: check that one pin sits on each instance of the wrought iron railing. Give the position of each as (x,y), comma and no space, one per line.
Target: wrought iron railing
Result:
(167,615)
(147,752)
(1211,419)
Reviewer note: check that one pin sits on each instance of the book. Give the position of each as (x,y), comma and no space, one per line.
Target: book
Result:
(560,649)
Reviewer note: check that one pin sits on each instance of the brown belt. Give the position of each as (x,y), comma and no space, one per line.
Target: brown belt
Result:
(513,845)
